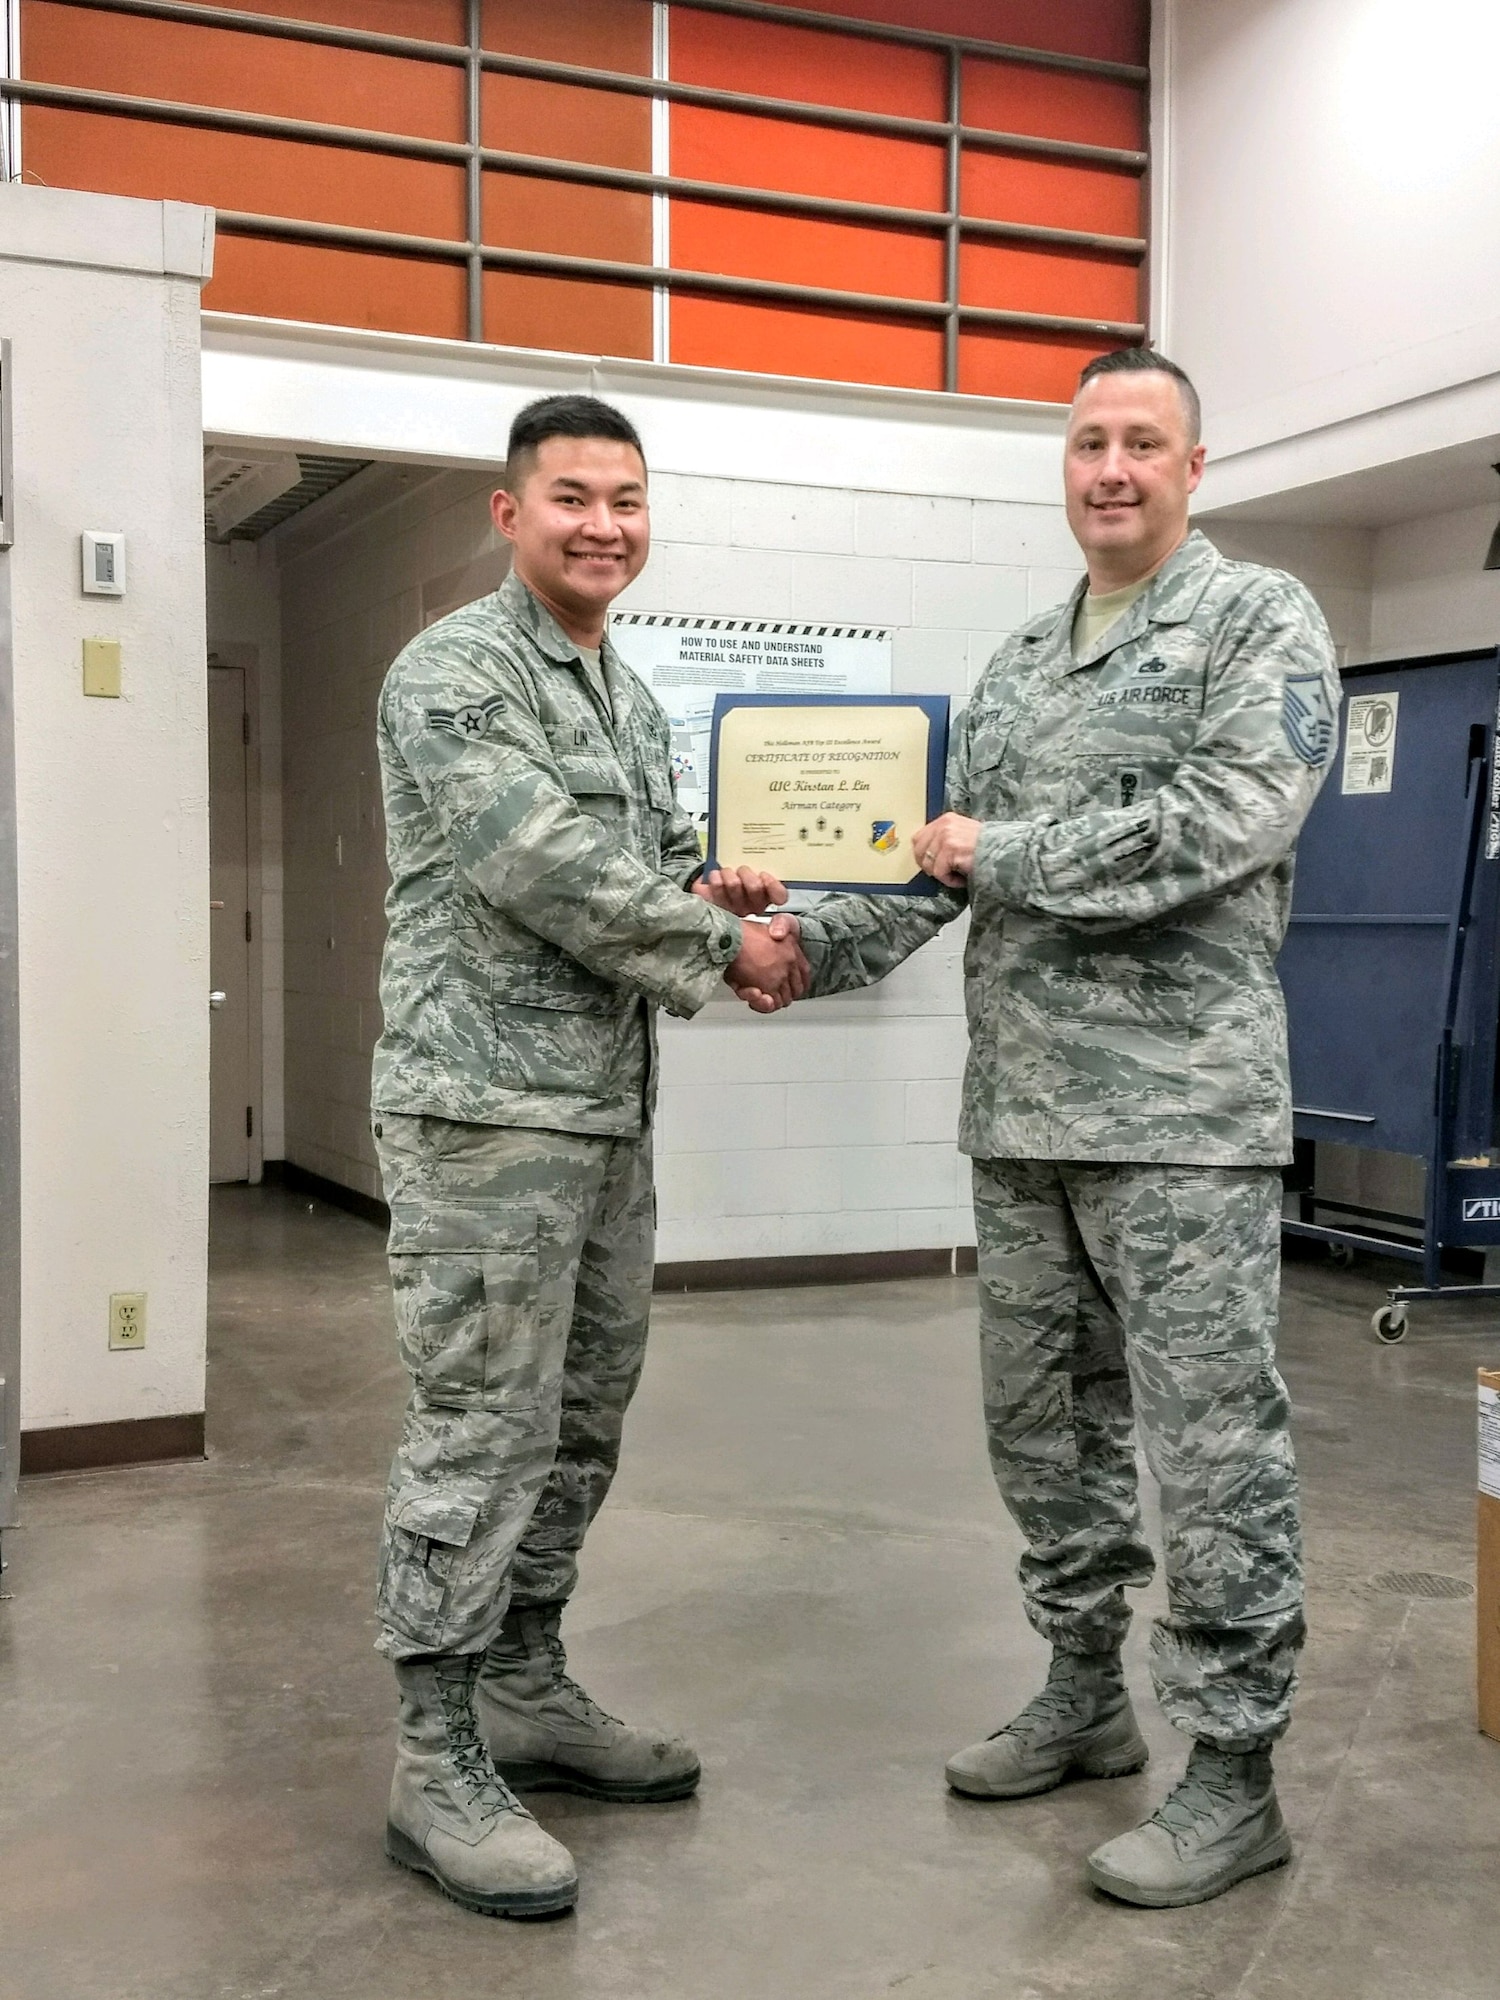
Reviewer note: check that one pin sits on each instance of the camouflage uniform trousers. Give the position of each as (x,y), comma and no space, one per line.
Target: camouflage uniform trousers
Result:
(1115,1292)
(521,1266)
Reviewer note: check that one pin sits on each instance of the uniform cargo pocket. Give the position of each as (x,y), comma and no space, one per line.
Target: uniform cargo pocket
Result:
(465,1279)
(426,1534)
(560,984)
(570,1040)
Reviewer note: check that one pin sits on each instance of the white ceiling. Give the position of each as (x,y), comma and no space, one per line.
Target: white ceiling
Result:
(1434,482)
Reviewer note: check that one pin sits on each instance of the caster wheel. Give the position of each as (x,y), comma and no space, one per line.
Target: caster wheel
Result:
(1341,1254)
(1389,1324)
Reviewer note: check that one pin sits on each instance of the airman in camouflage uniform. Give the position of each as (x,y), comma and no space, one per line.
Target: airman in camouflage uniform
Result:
(1127,1105)
(537,916)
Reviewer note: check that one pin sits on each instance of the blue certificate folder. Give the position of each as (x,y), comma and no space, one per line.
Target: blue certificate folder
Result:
(934,707)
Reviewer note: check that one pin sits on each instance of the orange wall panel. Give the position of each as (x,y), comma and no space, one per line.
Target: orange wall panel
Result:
(797,251)
(1110,30)
(560,216)
(225,170)
(1021,279)
(424,20)
(233,72)
(774,340)
(1003,188)
(576,318)
(743,151)
(336,287)
(773,61)
(1053,104)
(221,67)
(600,127)
(1026,365)
(597,34)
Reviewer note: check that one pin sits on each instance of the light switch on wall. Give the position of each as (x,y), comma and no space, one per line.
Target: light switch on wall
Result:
(101,667)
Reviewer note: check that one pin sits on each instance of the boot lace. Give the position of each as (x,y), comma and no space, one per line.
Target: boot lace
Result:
(1200,1799)
(1057,1703)
(565,1684)
(473,1769)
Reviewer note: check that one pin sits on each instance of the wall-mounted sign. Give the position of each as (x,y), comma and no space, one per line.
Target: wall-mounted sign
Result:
(686,661)
(1370,742)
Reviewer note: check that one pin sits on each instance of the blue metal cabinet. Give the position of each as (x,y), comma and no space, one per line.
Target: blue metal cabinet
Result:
(1391,965)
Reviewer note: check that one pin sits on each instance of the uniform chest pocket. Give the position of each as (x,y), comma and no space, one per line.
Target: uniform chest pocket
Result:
(991,764)
(595,780)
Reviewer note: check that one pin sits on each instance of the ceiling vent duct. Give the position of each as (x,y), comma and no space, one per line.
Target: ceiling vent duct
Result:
(247,493)
(237,485)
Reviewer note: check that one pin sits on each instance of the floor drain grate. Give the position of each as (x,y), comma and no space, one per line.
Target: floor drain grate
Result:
(1421,1583)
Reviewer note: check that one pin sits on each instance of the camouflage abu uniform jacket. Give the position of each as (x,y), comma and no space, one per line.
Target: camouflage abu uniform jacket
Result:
(1131,886)
(538,860)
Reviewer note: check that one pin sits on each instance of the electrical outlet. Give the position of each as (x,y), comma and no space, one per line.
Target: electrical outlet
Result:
(127,1319)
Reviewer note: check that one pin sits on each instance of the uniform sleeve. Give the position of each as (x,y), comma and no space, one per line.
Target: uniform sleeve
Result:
(1232,806)
(852,941)
(681,850)
(522,840)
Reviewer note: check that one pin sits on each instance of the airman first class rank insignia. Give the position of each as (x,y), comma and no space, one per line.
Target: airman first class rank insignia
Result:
(471,722)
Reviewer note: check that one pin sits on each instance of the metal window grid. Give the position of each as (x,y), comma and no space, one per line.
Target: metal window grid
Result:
(949,223)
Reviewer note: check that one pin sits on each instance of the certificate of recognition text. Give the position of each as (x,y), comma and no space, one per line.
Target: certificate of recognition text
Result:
(826,793)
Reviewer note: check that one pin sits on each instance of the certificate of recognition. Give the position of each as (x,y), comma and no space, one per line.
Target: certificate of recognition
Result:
(826,791)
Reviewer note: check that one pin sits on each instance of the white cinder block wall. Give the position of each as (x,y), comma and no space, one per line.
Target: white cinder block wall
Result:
(359,575)
(831,1128)
(1336,564)
(1430,593)
(826,1129)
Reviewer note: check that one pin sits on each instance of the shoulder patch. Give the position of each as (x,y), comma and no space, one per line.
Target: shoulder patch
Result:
(1307,717)
(471,722)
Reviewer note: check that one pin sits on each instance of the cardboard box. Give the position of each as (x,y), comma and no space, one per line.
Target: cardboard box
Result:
(1489,1552)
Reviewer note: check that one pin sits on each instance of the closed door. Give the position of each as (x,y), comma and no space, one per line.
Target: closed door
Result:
(231,1116)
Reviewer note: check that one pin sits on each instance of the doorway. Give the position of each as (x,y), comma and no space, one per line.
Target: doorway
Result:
(234,1139)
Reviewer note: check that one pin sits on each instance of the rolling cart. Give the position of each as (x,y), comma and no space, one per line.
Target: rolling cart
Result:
(1391,966)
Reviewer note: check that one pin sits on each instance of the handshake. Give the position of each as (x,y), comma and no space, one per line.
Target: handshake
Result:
(770,971)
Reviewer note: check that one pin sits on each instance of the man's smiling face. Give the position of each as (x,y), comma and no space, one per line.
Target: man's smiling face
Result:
(1129,465)
(580,528)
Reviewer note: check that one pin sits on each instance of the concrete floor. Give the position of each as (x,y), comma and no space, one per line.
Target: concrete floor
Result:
(803,1566)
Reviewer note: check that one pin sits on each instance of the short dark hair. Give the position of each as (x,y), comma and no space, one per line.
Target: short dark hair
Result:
(1146,361)
(562,416)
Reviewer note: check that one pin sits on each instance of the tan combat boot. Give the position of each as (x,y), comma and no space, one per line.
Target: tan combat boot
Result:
(450,1815)
(1218,1825)
(545,1734)
(1080,1724)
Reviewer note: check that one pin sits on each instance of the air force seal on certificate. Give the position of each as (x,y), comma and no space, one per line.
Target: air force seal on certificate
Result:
(883,835)
(1307,716)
